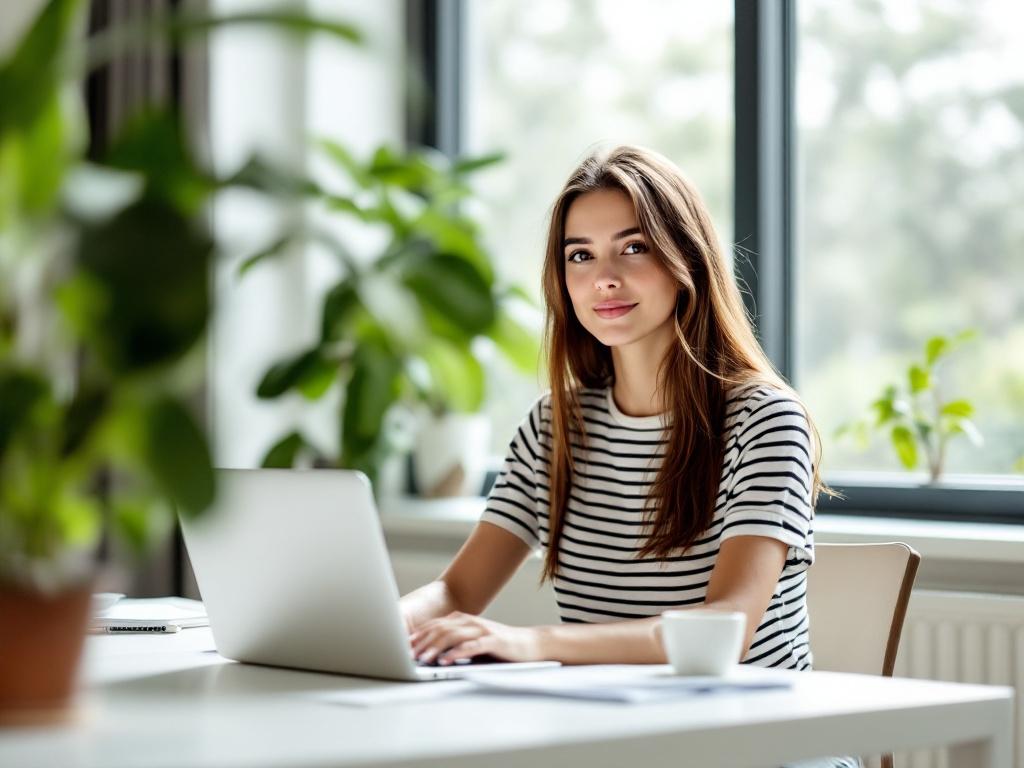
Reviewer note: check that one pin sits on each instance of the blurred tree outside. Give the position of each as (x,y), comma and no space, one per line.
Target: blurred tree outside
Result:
(911,152)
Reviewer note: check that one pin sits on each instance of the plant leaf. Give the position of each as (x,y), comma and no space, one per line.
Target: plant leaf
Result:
(905,445)
(175,28)
(455,289)
(969,429)
(178,456)
(961,408)
(288,374)
(340,155)
(472,164)
(153,144)
(44,158)
(372,390)
(153,269)
(919,378)
(884,410)
(20,391)
(936,347)
(31,76)
(78,518)
(283,453)
(340,306)
(81,417)
(457,376)
(274,249)
(132,518)
(518,344)
(455,237)
(318,378)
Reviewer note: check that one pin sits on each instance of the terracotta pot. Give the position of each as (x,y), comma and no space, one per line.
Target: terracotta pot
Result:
(41,639)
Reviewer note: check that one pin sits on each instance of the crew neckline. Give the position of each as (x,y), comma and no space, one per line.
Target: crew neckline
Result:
(658,420)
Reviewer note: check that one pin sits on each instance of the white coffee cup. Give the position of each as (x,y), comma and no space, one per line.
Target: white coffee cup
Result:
(703,642)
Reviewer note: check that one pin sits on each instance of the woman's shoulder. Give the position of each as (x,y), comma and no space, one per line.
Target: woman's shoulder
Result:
(751,403)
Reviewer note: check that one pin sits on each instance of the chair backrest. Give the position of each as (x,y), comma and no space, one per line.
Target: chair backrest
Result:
(857,597)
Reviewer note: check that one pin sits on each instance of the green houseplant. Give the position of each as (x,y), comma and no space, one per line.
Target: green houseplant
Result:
(416,345)
(103,306)
(918,417)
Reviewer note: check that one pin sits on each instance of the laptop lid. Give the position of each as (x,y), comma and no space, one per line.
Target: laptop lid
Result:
(294,572)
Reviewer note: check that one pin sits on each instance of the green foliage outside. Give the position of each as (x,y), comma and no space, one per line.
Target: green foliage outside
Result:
(911,162)
(918,417)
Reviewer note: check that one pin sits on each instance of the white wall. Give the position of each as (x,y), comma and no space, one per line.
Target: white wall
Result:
(269,95)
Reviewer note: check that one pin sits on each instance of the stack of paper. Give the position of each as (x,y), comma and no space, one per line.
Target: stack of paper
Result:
(628,683)
(162,614)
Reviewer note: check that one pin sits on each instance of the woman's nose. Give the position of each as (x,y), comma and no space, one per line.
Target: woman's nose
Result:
(606,280)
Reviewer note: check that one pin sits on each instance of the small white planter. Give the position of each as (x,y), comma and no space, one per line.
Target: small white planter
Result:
(450,455)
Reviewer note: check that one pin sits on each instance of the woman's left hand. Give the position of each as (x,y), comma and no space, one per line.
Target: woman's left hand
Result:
(463,635)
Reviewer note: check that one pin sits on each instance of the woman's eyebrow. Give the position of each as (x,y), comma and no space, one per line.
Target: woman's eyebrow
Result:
(617,236)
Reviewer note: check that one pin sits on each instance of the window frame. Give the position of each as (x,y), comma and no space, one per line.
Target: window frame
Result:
(765,215)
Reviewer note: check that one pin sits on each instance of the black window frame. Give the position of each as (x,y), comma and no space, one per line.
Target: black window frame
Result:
(765,215)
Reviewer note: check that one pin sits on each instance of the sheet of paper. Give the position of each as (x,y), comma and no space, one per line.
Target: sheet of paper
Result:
(628,683)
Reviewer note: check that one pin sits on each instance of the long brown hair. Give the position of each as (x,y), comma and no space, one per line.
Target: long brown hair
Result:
(716,348)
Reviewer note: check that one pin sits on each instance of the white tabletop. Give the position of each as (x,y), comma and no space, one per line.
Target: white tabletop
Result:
(171,700)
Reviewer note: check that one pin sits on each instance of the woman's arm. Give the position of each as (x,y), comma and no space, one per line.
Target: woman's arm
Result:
(744,578)
(484,564)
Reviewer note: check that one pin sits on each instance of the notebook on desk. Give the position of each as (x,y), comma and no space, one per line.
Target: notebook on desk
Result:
(150,613)
(294,572)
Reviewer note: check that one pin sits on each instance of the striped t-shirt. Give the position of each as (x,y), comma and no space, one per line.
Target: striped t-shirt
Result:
(765,490)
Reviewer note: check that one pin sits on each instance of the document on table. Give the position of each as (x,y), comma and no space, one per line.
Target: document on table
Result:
(150,613)
(625,683)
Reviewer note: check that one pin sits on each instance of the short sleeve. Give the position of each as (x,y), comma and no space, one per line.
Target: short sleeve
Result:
(770,486)
(512,503)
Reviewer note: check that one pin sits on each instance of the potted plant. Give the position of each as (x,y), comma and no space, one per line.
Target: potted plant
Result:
(104,274)
(400,329)
(919,419)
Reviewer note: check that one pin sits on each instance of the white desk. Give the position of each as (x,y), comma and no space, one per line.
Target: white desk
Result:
(170,700)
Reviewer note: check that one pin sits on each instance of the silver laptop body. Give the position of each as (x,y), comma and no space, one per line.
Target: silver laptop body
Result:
(294,572)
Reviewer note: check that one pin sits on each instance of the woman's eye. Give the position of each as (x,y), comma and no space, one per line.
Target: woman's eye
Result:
(574,254)
(641,246)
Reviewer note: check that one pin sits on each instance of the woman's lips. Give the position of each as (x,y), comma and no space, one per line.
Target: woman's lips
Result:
(614,311)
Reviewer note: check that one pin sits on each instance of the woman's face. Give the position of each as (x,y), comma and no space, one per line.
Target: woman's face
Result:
(620,291)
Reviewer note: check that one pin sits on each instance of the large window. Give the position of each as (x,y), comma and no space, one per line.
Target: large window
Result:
(866,155)
(546,80)
(910,128)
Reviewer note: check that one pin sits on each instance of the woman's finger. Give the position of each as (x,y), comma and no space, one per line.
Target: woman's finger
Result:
(427,638)
(468,649)
(429,632)
(447,640)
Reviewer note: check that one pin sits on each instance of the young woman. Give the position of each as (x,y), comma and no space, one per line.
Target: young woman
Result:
(668,467)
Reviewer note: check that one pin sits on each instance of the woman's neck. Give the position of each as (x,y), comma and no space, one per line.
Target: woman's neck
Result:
(636,373)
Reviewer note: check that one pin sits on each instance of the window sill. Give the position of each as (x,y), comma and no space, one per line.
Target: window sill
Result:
(949,541)
(966,499)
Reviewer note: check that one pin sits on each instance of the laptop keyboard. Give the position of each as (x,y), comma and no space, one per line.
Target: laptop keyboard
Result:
(483,658)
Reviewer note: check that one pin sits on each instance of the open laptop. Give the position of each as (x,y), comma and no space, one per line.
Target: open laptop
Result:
(294,572)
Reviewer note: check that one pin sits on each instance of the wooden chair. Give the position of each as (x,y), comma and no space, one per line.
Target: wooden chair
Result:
(857,596)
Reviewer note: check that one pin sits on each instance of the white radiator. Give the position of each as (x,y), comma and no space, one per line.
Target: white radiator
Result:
(963,637)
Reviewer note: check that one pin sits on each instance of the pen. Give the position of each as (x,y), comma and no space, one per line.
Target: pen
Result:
(161,628)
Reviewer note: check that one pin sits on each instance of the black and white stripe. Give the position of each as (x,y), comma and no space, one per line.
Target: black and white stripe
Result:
(765,490)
